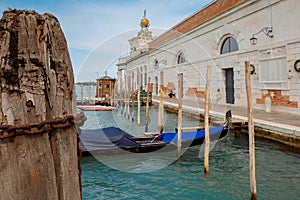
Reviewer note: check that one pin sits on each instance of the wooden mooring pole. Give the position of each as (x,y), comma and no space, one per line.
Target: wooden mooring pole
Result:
(37,87)
(251,132)
(161,112)
(139,100)
(179,125)
(132,97)
(147,106)
(206,121)
(125,96)
(120,94)
(128,99)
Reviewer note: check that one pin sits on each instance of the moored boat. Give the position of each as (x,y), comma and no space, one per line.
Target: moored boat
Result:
(96,108)
(114,140)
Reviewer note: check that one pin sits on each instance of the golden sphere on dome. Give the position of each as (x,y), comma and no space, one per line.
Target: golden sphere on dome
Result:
(144,22)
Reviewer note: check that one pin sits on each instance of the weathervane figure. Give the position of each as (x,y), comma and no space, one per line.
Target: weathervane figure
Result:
(144,22)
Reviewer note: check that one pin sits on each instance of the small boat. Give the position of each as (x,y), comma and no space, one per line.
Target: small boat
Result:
(96,108)
(114,140)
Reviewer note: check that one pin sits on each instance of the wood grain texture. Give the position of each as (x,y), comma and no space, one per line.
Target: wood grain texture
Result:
(35,65)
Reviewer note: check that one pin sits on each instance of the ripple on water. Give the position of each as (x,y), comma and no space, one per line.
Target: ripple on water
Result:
(277,171)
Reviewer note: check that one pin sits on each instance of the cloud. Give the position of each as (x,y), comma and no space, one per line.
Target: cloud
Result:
(91,24)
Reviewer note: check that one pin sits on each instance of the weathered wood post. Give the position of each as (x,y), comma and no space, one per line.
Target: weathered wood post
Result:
(147,105)
(132,97)
(128,96)
(206,121)
(251,131)
(122,96)
(161,112)
(180,83)
(121,92)
(139,100)
(37,85)
(125,95)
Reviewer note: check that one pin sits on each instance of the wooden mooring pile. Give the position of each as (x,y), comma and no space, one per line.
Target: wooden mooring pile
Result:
(38,132)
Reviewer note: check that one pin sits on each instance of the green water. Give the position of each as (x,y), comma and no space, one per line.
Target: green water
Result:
(161,176)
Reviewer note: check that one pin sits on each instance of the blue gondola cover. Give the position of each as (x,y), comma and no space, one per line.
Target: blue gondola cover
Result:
(106,138)
(189,136)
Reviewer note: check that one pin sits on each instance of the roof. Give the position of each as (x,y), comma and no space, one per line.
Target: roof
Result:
(106,78)
(212,10)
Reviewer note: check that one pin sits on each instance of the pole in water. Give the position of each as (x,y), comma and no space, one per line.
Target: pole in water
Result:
(138,100)
(180,83)
(132,97)
(161,112)
(206,122)
(147,106)
(251,132)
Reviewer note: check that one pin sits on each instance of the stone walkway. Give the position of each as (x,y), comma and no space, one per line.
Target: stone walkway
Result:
(279,126)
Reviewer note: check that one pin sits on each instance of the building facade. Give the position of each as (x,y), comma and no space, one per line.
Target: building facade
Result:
(219,36)
(104,86)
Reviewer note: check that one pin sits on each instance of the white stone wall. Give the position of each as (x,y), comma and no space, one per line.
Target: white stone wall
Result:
(201,47)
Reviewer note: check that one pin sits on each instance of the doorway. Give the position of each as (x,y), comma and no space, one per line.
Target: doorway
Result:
(229,85)
(156,85)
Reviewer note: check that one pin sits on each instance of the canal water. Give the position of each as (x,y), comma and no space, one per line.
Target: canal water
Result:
(162,176)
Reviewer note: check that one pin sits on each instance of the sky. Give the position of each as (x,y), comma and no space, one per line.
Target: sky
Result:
(97,31)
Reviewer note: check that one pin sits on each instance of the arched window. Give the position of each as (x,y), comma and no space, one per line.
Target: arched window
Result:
(229,45)
(180,58)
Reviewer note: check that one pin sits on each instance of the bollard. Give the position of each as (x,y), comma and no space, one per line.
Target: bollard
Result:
(268,104)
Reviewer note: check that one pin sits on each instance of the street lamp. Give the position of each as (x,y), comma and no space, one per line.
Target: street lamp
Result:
(268,31)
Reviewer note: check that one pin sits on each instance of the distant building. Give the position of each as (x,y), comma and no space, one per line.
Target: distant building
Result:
(219,35)
(105,87)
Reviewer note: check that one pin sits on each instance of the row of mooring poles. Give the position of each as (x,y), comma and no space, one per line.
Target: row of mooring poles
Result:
(206,122)
(90,99)
(129,97)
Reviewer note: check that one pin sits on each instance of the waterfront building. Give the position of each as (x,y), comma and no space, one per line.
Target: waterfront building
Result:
(104,89)
(224,34)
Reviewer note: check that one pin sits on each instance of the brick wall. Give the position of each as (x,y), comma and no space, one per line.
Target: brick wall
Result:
(277,99)
(193,91)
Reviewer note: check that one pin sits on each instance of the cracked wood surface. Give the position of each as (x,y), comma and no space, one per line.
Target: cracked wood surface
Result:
(35,66)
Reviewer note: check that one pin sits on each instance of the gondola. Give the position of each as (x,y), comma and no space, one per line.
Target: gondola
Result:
(114,140)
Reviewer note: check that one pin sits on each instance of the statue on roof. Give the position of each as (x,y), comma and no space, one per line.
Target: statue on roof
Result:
(144,22)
